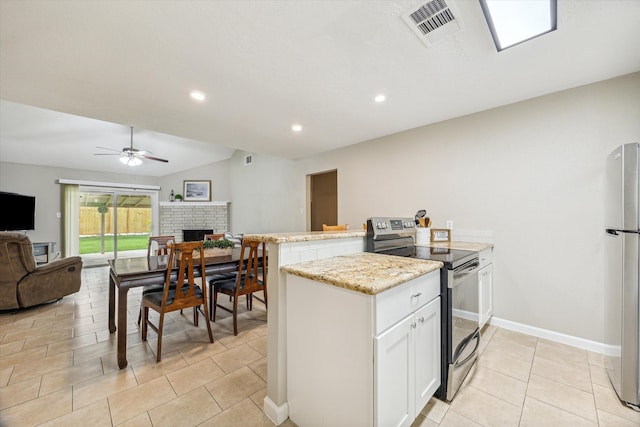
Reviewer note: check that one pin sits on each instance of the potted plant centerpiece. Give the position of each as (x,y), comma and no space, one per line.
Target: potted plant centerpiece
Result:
(178,198)
(213,248)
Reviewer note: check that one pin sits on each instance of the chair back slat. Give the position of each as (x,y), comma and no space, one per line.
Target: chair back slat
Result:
(248,278)
(190,253)
(214,236)
(160,244)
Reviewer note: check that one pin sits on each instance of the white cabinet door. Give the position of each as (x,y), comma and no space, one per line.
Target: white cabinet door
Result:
(485,288)
(427,349)
(394,380)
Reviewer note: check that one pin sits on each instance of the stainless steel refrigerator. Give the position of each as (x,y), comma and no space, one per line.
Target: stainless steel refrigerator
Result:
(622,215)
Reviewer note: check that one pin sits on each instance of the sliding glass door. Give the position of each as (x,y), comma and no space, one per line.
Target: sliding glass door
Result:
(115,223)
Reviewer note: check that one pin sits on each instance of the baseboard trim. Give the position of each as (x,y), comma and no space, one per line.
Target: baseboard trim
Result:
(582,343)
(277,414)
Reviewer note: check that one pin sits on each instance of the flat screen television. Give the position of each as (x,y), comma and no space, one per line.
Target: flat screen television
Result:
(17,212)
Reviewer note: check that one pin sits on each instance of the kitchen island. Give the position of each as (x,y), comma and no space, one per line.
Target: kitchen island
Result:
(363,339)
(286,249)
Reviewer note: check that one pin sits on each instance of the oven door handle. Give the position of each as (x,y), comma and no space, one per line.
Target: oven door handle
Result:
(463,272)
(463,345)
(470,266)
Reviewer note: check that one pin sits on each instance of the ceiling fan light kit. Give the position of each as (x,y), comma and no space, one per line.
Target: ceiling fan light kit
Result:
(131,160)
(131,156)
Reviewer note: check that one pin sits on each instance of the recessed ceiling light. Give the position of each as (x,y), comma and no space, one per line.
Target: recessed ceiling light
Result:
(197,95)
(296,127)
(380,98)
(515,21)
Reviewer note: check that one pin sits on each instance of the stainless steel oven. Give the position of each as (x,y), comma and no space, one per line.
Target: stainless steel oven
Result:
(463,319)
(458,295)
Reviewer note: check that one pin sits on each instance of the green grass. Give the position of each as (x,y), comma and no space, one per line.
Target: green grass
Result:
(91,244)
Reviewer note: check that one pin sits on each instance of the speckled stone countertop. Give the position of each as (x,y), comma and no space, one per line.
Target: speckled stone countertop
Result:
(303,236)
(465,246)
(365,272)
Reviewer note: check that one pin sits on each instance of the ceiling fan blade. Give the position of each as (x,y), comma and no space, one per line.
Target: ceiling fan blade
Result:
(107,154)
(155,158)
(110,149)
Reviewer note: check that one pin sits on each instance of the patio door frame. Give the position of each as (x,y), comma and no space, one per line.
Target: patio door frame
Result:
(118,191)
(74,206)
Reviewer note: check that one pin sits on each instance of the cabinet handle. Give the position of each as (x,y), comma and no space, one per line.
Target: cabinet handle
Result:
(416,295)
(413,325)
(421,319)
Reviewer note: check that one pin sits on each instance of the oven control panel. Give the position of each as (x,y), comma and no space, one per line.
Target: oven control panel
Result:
(379,225)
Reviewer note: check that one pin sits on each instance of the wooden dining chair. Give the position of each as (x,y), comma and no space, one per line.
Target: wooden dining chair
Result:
(250,278)
(158,245)
(214,236)
(185,292)
(326,227)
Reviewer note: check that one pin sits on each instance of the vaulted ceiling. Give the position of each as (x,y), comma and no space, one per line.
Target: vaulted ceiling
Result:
(266,65)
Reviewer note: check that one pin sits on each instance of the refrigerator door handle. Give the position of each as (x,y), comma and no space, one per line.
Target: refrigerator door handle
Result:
(615,232)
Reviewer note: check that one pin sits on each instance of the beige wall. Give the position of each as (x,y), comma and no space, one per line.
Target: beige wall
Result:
(217,172)
(42,182)
(267,195)
(531,172)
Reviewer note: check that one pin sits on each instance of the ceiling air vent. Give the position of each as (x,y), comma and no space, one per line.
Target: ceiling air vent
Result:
(433,21)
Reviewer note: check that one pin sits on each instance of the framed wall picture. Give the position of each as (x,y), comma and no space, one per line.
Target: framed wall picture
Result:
(440,235)
(197,191)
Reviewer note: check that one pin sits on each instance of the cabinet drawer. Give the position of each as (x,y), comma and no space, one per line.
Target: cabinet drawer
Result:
(486,257)
(396,303)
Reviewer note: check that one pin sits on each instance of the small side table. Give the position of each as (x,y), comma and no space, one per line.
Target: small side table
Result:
(43,251)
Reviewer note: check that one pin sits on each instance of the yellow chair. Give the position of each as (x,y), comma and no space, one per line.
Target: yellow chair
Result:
(177,295)
(326,227)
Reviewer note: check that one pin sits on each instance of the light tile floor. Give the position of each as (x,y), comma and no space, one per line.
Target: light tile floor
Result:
(521,380)
(58,368)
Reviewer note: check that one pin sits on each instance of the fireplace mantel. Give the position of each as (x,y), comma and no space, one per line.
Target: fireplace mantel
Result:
(178,216)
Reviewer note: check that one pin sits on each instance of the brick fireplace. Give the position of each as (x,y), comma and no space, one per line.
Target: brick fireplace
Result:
(178,216)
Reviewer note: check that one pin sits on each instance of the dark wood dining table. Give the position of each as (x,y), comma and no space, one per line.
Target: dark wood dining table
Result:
(127,273)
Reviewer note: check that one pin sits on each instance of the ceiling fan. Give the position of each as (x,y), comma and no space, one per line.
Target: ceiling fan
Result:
(131,156)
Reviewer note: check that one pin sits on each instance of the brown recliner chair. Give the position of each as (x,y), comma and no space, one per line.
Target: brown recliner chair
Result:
(22,284)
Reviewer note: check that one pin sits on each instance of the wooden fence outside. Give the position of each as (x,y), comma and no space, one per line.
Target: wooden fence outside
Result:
(130,221)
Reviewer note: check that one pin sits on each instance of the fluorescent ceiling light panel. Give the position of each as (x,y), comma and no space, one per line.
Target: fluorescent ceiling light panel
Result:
(515,21)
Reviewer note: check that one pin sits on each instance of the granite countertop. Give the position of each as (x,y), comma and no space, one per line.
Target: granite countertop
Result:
(364,272)
(465,246)
(303,236)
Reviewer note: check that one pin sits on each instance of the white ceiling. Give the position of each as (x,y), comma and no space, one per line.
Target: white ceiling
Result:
(266,65)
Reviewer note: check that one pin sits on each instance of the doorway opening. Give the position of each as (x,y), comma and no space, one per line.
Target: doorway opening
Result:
(322,199)
(115,223)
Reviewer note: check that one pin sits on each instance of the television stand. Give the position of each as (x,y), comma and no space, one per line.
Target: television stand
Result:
(43,252)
